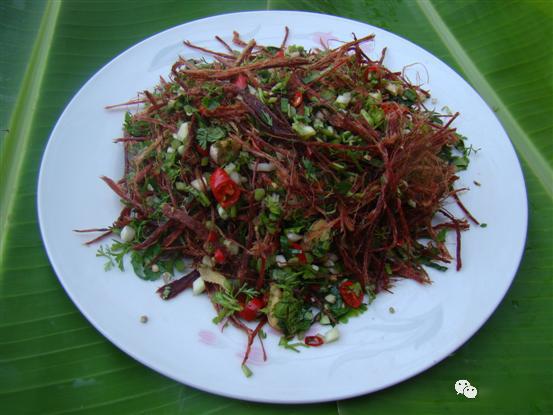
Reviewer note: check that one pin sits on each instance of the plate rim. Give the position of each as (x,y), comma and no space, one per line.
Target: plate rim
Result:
(474,329)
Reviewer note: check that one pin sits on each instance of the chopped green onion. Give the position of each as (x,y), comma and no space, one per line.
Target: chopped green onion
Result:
(259,194)
(343,100)
(303,130)
(246,371)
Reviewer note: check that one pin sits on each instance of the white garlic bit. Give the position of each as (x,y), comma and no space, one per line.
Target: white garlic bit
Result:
(198,286)
(280,261)
(182,133)
(294,237)
(200,184)
(332,335)
(128,233)
(263,167)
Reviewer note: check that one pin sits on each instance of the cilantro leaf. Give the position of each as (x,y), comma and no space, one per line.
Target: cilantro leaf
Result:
(291,313)
(266,118)
(210,103)
(136,128)
(142,266)
(311,171)
(206,135)
(114,254)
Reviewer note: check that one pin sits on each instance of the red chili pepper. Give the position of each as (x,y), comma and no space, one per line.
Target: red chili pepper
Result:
(301,256)
(219,256)
(241,81)
(351,293)
(212,236)
(297,99)
(314,341)
(250,311)
(225,190)
(377,70)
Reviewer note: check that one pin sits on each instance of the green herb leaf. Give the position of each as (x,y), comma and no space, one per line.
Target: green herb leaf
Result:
(142,266)
(228,300)
(461,163)
(136,128)
(290,312)
(210,103)
(206,135)
(114,254)
(440,237)
(311,171)
(410,96)
(266,118)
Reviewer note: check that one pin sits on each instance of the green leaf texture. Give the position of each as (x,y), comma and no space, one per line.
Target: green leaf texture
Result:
(52,361)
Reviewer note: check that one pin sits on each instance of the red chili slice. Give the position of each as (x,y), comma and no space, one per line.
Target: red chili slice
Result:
(297,99)
(301,256)
(314,341)
(373,69)
(251,309)
(212,236)
(219,256)
(225,190)
(351,293)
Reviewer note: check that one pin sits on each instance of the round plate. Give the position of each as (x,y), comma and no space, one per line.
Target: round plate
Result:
(376,350)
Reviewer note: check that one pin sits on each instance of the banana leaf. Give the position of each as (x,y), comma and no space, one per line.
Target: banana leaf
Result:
(52,361)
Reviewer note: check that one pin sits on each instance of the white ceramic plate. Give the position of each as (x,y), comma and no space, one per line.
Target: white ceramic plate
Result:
(375,351)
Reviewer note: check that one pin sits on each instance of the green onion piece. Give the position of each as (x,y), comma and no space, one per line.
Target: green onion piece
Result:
(246,371)
(338,166)
(259,194)
(303,130)
(284,105)
(200,196)
(367,117)
(410,95)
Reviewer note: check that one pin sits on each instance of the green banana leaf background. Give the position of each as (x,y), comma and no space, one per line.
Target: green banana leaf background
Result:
(52,361)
